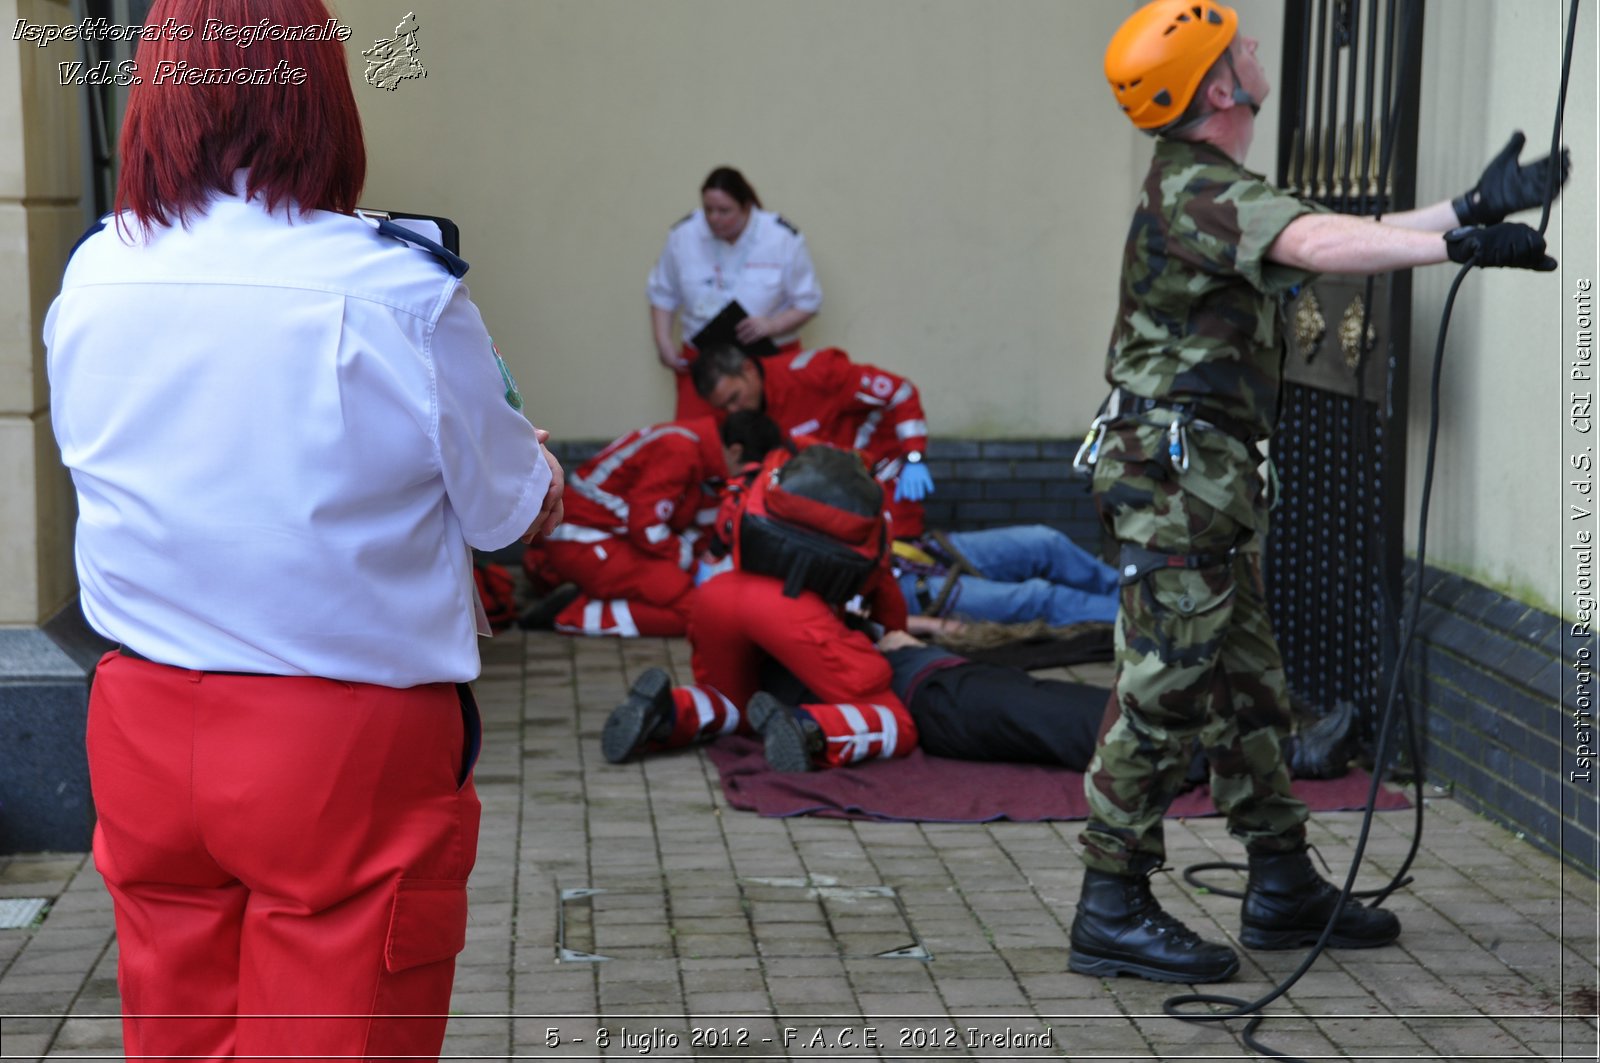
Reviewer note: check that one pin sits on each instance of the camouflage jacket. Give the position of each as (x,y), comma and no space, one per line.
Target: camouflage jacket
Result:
(1199,319)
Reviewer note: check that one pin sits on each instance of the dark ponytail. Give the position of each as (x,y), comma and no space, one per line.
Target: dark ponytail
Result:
(731,182)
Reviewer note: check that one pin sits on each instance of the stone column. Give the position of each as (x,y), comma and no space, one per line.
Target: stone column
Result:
(46,656)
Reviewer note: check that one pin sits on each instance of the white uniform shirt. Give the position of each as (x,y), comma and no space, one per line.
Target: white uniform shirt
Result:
(283,438)
(767,269)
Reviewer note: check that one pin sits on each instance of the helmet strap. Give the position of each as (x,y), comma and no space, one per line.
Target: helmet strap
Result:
(1239,94)
(1199,113)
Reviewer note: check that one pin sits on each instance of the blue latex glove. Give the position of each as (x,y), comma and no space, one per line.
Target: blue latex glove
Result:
(914,483)
(706,569)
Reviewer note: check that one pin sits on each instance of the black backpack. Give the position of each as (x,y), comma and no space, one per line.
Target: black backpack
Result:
(814,520)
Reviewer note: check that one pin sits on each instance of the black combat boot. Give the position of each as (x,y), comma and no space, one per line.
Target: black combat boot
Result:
(1286,905)
(542,611)
(646,714)
(792,741)
(1322,749)
(1121,929)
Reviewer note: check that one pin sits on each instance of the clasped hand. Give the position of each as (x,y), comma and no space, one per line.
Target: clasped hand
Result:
(551,511)
(1509,244)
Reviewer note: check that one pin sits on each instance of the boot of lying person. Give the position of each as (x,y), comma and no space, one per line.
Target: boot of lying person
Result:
(1322,749)
(792,741)
(541,613)
(646,714)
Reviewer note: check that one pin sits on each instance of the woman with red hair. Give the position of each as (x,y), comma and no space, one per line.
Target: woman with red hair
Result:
(286,427)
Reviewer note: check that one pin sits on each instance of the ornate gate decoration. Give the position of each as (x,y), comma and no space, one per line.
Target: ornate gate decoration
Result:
(1347,139)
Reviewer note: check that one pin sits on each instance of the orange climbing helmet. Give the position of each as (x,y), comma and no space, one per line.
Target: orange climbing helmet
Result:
(1159,56)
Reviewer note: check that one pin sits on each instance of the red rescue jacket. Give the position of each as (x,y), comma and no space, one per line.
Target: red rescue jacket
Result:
(822,394)
(651,486)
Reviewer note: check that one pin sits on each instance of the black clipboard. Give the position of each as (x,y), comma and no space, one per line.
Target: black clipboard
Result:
(449,232)
(719,330)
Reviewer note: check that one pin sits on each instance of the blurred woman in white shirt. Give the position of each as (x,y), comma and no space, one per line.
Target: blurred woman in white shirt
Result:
(730,249)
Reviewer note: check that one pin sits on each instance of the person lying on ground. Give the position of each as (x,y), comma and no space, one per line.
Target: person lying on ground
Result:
(1008,575)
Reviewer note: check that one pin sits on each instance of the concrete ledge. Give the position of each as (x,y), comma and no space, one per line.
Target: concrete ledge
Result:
(44,704)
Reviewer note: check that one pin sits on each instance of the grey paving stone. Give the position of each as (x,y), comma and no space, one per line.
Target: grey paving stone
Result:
(28,1024)
(550,1005)
(632,996)
(82,1036)
(27,1045)
(890,1005)
(821,992)
(41,958)
(972,992)
(64,983)
(23,997)
(475,1046)
(728,1002)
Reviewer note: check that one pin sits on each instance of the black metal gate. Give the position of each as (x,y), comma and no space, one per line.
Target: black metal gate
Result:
(1347,139)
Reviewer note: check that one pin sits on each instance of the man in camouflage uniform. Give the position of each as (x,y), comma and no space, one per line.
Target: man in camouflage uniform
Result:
(1194,364)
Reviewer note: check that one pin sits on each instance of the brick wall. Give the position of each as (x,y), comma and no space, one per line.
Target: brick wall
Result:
(988,483)
(1495,679)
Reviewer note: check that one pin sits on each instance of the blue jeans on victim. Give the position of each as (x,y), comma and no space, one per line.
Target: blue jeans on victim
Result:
(1030,572)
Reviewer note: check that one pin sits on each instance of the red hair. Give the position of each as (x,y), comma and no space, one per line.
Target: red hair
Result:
(182,142)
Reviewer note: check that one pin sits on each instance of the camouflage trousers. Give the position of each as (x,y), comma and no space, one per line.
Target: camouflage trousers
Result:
(1195,657)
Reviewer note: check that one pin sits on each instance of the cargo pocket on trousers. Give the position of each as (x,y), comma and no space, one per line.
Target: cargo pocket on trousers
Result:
(471,733)
(1191,609)
(427,924)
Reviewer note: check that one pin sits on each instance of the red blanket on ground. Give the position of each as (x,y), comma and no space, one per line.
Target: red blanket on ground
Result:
(939,790)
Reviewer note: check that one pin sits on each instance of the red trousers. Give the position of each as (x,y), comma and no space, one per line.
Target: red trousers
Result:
(626,591)
(287,858)
(738,619)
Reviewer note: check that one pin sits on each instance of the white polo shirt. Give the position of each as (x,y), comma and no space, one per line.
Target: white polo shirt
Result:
(284,436)
(767,269)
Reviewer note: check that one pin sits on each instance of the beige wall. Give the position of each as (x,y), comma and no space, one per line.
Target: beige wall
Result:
(39,217)
(946,159)
(1499,508)
(957,166)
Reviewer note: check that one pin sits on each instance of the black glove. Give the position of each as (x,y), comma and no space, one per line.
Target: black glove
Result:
(1510,243)
(1508,186)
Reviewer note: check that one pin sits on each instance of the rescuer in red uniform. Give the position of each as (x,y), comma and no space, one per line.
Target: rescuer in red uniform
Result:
(634,526)
(741,619)
(823,395)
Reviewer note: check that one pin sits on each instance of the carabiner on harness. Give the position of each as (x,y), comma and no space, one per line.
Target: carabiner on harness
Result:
(1089,452)
(1178,445)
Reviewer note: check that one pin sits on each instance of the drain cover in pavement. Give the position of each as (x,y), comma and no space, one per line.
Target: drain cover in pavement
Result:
(772,917)
(791,915)
(18,912)
(566,924)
